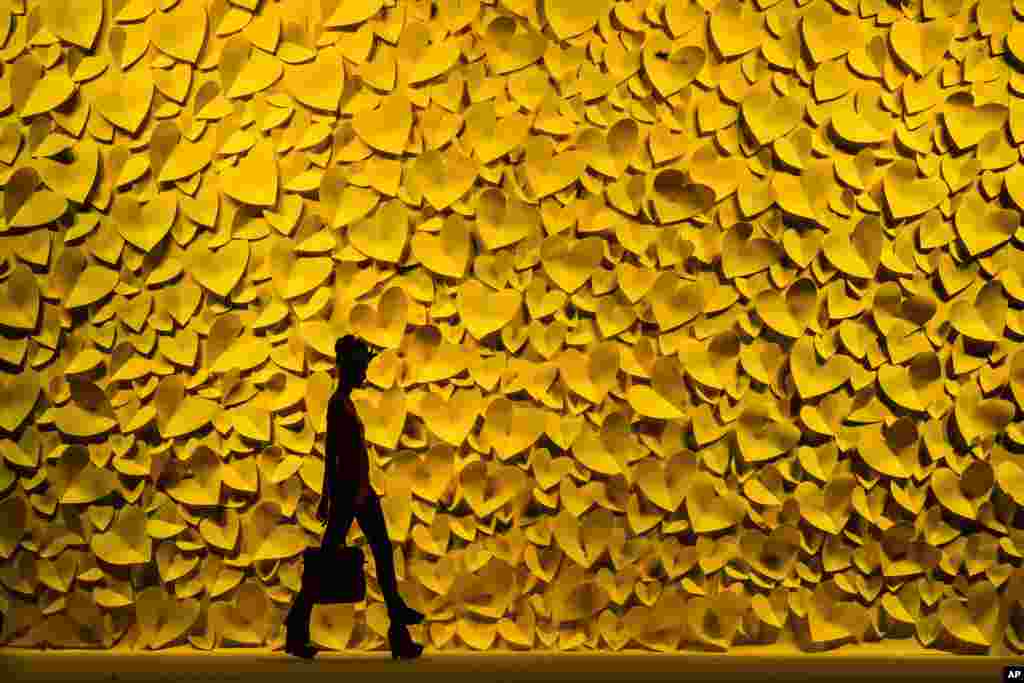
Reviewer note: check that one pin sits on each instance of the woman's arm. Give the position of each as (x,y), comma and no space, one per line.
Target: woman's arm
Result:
(329,468)
(364,472)
(341,472)
(330,452)
(326,490)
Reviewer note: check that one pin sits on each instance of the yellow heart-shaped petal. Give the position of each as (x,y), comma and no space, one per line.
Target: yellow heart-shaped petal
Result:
(385,325)
(144,225)
(483,310)
(488,139)
(985,318)
(503,220)
(387,127)
(791,312)
(830,508)
(674,199)
(161,618)
(18,394)
(20,303)
(246,619)
(743,254)
(672,72)
(353,12)
(74,181)
(180,32)
(53,90)
(570,262)
(124,98)
(93,284)
(259,72)
(675,301)
(768,115)
(977,621)
(318,83)
(385,416)
(967,123)
(548,172)
(126,543)
(921,45)
(219,271)
(857,252)
(197,482)
(909,195)
(983,228)
(735,27)
(188,158)
(444,177)
(762,434)
(708,509)
(447,253)
(384,234)
(813,378)
(255,179)
(76,21)
(568,18)
(976,418)
(26,204)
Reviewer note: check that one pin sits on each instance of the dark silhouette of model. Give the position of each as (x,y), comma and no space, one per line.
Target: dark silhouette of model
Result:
(347,494)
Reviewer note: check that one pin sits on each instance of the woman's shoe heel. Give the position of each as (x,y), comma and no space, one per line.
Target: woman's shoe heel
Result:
(306,651)
(297,645)
(402,644)
(407,615)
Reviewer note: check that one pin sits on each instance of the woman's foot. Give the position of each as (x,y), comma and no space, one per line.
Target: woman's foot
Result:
(406,615)
(306,651)
(402,644)
(296,640)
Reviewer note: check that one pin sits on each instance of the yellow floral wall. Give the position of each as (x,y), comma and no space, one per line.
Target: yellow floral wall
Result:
(700,319)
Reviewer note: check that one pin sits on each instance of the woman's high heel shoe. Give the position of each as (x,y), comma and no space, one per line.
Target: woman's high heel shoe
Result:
(297,639)
(402,644)
(306,651)
(407,615)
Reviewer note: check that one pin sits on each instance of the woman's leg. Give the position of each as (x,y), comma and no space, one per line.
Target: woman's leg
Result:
(297,621)
(371,521)
(337,526)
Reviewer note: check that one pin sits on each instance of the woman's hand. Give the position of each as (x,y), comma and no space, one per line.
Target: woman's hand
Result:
(322,510)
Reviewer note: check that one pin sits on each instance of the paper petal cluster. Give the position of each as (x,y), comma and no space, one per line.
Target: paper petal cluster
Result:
(699,320)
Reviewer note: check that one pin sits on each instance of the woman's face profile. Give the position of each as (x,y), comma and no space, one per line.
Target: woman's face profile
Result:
(354,369)
(360,374)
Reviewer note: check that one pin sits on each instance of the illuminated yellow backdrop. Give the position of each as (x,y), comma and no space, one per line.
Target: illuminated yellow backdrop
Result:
(701,319)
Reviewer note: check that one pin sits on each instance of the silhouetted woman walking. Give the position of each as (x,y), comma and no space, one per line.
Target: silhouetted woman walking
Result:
(347,494)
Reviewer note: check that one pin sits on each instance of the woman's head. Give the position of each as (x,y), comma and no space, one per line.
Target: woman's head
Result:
(353,356)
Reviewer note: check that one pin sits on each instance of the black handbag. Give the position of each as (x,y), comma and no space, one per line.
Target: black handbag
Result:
(334,575)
